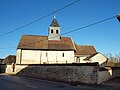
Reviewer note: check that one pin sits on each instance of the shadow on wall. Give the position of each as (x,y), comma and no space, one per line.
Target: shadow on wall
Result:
(115,72)
(3,68)
(107,73)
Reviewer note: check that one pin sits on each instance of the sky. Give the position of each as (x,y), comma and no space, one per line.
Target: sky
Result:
(105,36)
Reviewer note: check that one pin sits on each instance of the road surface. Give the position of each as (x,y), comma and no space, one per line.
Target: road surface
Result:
(8,82)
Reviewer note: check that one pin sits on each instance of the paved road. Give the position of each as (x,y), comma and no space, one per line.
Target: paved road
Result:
(8,82)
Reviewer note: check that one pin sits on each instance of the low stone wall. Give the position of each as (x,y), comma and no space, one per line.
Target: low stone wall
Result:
(107,73)
(80,73)
(115,72)
(17,69)
(104,74)
(89,73)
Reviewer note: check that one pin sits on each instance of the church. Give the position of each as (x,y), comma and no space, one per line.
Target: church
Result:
(51,49)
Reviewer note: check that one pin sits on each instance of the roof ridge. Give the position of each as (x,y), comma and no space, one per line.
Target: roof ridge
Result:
(32,35)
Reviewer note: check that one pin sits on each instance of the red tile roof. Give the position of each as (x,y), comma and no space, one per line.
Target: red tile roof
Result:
(42,43)
(85,50)
(35,42)
(9,59)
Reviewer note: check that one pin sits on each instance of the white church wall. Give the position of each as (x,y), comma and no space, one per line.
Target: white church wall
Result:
(40,57)
(18,56)
(30,56)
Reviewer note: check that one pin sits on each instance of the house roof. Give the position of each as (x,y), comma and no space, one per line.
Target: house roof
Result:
(84,50)
(54,23)
(10,56)
(9,59)
(92,55)
(42,43)
(1,59)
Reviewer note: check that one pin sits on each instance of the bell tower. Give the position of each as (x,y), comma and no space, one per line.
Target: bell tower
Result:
(54,30)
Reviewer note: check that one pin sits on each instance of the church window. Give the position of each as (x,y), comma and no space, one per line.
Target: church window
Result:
(51,30)
(56,31)
(62,54)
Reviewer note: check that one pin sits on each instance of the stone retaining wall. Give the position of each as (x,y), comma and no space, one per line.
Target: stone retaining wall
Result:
(89,73)
(107,73)
(80,73)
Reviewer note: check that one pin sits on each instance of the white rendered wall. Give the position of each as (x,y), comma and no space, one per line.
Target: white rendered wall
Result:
(18,54)
(54,36)
(40,57)
(81,59)
(99,58)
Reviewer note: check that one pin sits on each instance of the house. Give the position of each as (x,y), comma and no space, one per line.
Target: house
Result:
(97,57)
(82,52)
(1,60)
(9,59)
(36,49)
(88,54)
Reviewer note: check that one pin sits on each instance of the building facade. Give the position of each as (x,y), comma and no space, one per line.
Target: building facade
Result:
(97,57)
(52,49)
(33,49)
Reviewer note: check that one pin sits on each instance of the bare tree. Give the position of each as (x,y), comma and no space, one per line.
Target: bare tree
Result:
(114,60)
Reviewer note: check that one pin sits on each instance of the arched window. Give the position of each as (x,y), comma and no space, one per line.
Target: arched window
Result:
(51,30)
(56,31)
(62,54)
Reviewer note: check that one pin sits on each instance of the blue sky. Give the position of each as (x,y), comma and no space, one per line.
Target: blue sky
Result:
(104,36)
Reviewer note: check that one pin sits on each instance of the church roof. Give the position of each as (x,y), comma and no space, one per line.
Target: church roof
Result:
(42,43)
(84,50)
(34,42)
(54,23)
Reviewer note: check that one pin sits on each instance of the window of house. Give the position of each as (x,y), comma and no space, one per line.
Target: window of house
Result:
(62,54)
(51,30)
(77,60)
(56,31)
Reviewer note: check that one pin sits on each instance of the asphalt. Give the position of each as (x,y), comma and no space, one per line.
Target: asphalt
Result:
(13,82)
